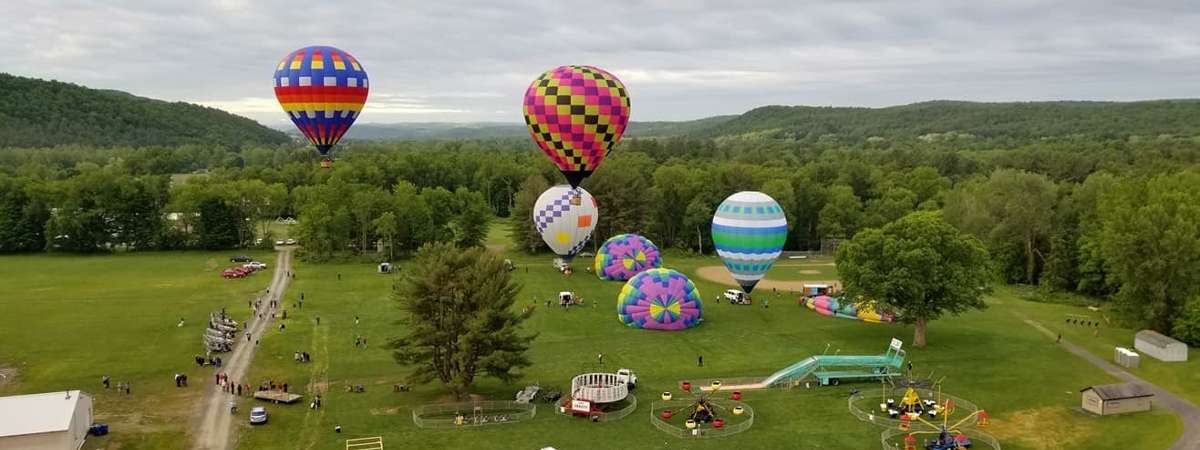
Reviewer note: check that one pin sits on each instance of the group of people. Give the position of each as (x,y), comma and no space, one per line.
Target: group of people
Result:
(300,356)
(209,360)
(222,380)
(181,380)
(122,387)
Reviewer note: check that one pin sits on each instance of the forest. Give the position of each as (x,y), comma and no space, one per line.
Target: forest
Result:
(1061,204)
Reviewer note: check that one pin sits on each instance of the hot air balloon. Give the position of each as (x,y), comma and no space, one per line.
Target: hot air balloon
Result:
(749,230)
(565,216)
(576,114)
(323,90)
(659,299)
(625,255)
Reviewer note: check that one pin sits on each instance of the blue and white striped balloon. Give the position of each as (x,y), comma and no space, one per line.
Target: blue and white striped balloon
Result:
(749,230)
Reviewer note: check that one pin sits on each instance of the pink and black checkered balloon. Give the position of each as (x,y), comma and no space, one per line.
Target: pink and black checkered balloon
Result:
(576,115)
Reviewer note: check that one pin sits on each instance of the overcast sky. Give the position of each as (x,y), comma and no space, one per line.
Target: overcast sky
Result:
(458,61)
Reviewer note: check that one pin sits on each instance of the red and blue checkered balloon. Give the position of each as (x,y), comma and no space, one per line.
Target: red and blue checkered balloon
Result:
(323,90)
(659,299)
(576,115)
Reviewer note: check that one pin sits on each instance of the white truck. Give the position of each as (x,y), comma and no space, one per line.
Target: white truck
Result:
(736,297)
(628,377)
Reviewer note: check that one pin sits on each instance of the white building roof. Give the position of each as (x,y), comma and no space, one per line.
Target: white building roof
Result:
(37,413)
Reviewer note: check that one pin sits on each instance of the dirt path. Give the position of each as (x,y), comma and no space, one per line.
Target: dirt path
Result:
(215,424)
(719,274)
(1188,413)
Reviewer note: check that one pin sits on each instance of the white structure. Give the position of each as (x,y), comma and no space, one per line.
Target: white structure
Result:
(50,421)
(599,387)
(1159,346)
(1127,358)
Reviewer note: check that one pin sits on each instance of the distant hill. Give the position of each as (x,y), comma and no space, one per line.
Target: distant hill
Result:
(1015,121)
(484,130)
(38,113)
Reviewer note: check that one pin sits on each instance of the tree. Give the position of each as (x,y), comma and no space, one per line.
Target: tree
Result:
(919,266)
(473,216)
(521,230)
(1011,209)
(387,227)
(841,215)
(1151,241)
(457,306)
(218,227)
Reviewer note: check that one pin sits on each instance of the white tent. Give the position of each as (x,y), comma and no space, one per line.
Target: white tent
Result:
(49,421)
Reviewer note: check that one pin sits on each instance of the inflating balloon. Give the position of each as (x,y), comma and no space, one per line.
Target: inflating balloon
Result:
(749,230)
(565,217)
(322,89)
(625,255)
(576,115)
(659,299)
(865,311)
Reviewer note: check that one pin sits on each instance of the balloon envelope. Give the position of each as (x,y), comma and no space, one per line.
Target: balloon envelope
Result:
(565,217)
(576,114)
(322,89)
(625,255)
(659,299)
(749,230)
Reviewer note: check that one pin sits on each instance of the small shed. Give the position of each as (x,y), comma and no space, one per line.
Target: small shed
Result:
(1126,358)
(1121,398)
(1160,346)
(49,421)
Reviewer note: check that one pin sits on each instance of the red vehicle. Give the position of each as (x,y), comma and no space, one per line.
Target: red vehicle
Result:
(235,272)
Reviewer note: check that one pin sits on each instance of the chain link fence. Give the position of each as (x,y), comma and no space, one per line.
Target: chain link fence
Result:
(454,415)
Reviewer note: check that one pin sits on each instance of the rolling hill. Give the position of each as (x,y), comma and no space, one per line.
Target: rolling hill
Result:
(41,113)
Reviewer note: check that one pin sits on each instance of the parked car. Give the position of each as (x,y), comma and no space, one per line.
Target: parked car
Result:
(257,265)
(258,415)
(241,259)
(736,297)
(279,242)
(291,242)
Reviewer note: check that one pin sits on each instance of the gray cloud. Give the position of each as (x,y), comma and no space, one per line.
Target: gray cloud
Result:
(471,60)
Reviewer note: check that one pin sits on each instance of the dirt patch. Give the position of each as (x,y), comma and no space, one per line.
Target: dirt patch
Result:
(7,375)
(809,272)
(719,274)
(1030,427)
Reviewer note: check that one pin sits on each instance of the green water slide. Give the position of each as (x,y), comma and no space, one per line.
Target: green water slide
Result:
(833,369)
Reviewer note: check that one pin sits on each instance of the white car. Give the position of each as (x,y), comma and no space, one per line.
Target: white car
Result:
(291,242)
(258,415)
(279,242)
(255,265)
(736,297)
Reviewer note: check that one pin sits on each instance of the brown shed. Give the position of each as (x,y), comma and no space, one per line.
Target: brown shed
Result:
(1109,399)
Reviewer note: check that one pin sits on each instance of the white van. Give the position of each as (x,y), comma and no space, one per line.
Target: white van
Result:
(736,297)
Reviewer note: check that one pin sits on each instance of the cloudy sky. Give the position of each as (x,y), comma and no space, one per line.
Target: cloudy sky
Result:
(459,61)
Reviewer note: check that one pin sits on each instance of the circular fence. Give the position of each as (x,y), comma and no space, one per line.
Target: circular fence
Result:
(472,414)
(735,423)
(892,439)
(608,413)
(599,387)
(870,408)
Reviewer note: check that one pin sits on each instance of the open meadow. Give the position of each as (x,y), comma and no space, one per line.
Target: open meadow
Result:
(117,315)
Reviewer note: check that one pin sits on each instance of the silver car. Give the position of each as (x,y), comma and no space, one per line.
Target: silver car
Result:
(258,415)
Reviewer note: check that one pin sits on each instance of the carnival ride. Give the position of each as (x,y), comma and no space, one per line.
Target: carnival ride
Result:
(954,423)
(832,369)
(702,415)
(600,396)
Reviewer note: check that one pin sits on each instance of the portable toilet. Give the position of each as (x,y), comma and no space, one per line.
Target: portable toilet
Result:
(1126,358)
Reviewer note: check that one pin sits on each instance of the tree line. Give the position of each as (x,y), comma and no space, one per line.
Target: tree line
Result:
(1109,218)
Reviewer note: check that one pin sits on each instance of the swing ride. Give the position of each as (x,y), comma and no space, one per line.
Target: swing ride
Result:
(702,415)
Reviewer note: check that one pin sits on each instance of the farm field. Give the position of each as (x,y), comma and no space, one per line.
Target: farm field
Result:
(69,320)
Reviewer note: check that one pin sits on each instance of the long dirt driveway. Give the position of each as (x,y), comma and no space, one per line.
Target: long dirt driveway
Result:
(215,424)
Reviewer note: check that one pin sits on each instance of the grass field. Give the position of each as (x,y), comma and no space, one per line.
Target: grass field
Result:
(990,357)
(69,320)
(81,317)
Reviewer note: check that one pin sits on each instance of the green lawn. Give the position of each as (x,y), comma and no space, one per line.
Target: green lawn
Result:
(1028,385)
(68,320)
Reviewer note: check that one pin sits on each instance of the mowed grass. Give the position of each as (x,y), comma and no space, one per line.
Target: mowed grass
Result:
(1028,385)
(69,320)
